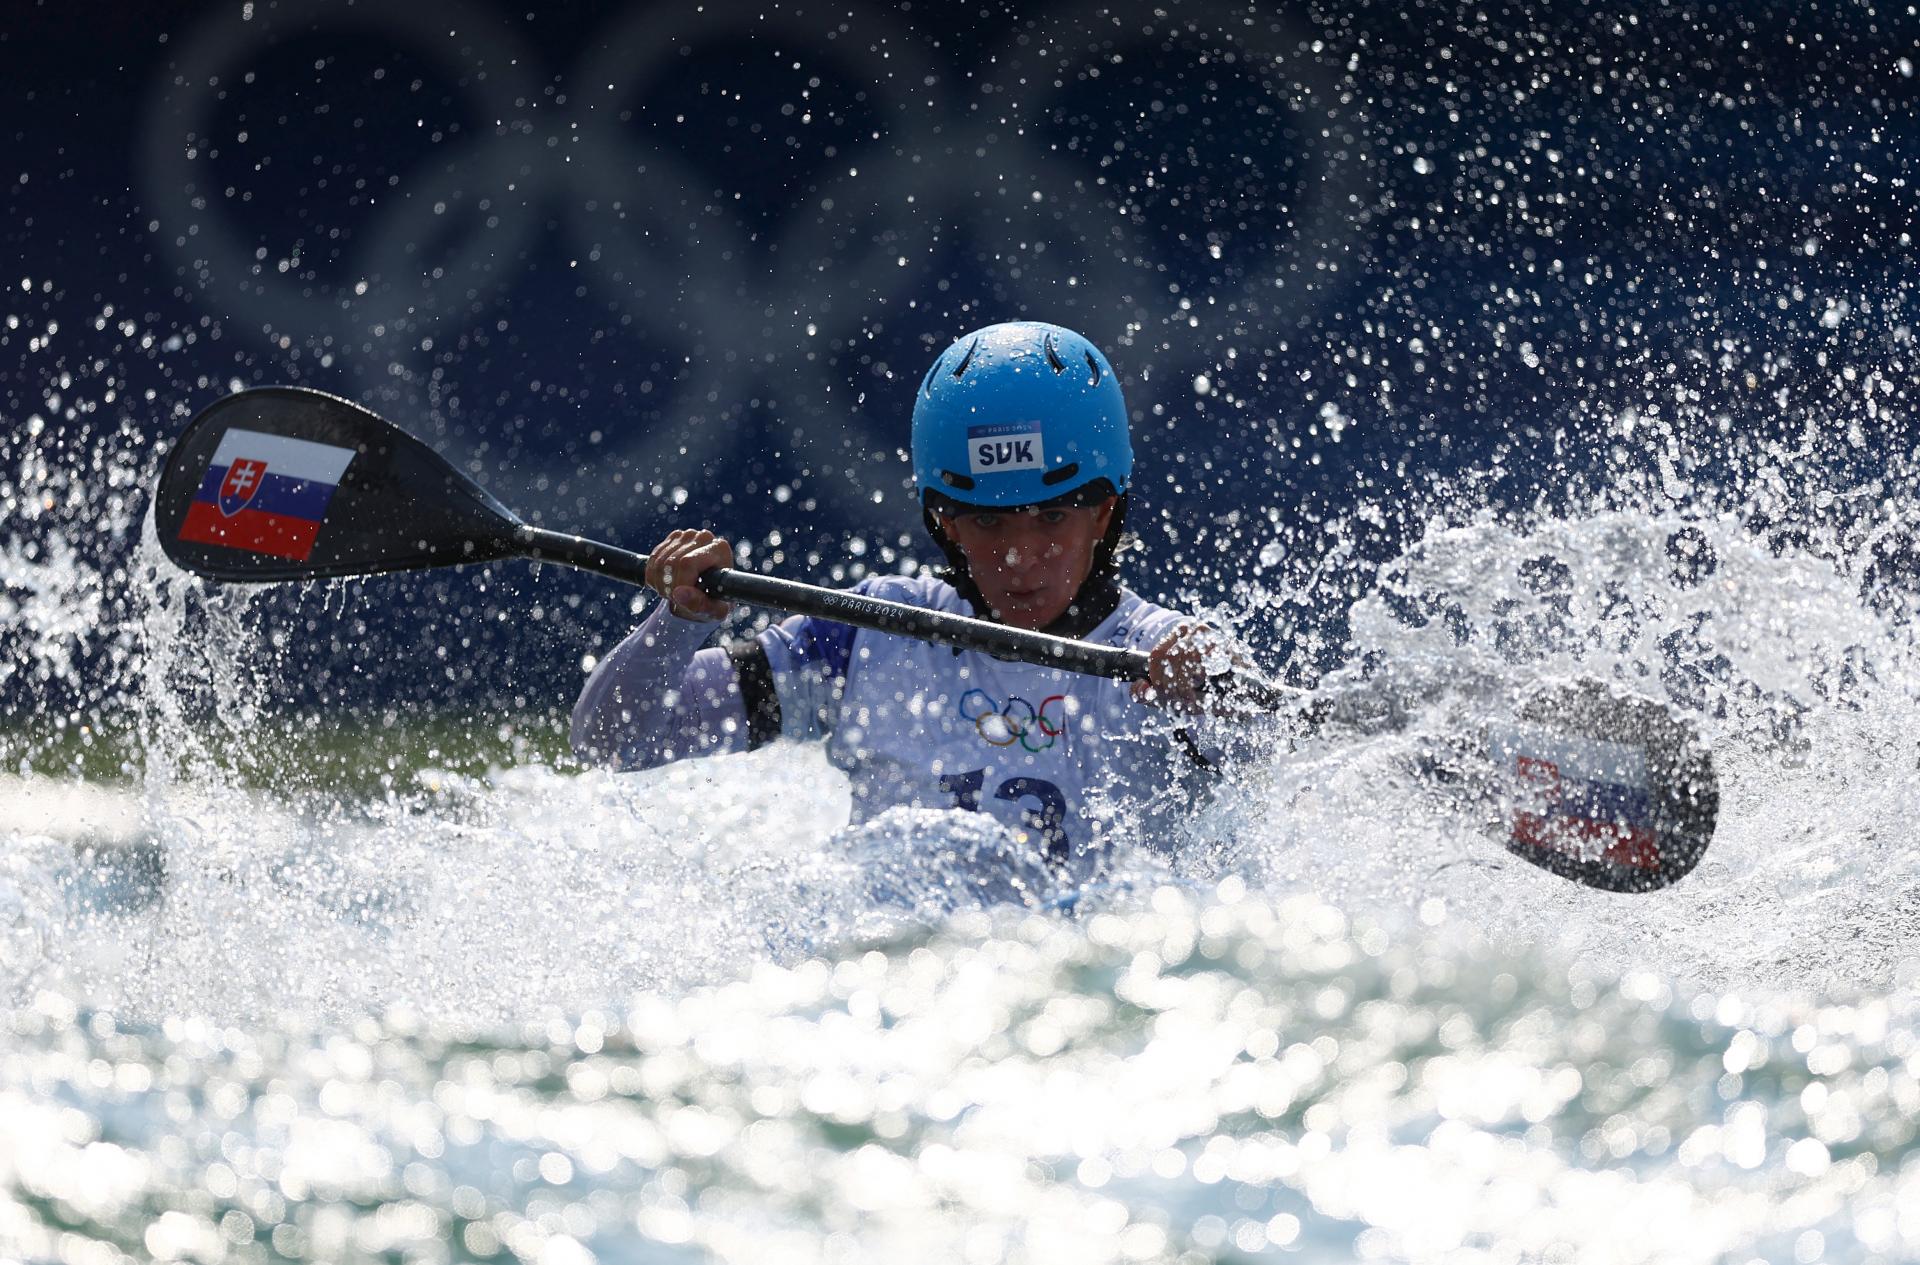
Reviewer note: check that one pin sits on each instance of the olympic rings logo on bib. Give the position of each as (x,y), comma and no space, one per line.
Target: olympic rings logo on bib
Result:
(1035,729)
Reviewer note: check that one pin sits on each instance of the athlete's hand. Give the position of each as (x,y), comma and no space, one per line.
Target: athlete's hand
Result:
(675,565)
(1178,668)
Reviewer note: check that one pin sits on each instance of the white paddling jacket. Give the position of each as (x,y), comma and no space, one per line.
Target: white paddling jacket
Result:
(1065,758)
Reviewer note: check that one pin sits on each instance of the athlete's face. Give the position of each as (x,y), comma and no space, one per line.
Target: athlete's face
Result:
(1030,563)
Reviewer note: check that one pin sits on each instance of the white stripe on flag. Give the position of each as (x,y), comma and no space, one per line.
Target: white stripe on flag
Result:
(289,458)
(1586,759)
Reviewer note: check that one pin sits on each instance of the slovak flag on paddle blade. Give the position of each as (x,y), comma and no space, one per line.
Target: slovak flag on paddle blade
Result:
(265,494)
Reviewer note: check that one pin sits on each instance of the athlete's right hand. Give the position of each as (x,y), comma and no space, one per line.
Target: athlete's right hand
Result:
(675,565)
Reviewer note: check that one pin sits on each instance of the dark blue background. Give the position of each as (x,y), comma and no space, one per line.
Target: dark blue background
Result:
(656,265)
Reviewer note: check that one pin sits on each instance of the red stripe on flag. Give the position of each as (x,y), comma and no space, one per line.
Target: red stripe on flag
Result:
(1576,837)
(251,531)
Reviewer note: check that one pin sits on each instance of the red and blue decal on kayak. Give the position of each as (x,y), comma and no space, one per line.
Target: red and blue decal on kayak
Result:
(265,494)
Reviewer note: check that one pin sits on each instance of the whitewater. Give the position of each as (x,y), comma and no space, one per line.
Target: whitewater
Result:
(533,1011)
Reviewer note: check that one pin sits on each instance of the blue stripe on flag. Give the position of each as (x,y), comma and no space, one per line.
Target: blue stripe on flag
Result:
(290,498)
(1605,801)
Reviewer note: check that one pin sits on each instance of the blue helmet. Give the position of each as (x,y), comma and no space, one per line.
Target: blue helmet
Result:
(1020,413)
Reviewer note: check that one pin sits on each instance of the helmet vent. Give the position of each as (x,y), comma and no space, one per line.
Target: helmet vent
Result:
(1061,475)
(952,480)
(1093,371)
(966,359)
(1053,356)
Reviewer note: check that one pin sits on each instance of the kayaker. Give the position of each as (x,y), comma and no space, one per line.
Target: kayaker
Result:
(1023,461)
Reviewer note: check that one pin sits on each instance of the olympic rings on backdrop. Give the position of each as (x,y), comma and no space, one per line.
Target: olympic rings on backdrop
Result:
(1035,729)
(655,236)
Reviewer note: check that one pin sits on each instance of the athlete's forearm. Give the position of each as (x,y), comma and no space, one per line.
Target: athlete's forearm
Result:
(658,697)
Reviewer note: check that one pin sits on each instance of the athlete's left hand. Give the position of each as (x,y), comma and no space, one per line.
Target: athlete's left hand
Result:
(1178,668)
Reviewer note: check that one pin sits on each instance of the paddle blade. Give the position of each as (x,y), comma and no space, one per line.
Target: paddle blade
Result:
(1605,788)
(287,483)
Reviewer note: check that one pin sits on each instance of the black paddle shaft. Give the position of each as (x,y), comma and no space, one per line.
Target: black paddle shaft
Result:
(877,614)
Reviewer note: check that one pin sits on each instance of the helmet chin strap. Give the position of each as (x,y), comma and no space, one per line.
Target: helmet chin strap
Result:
(1098,594)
